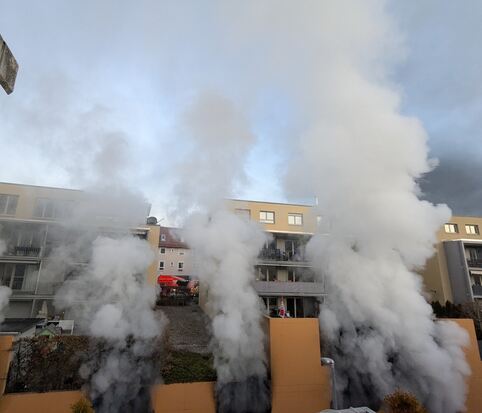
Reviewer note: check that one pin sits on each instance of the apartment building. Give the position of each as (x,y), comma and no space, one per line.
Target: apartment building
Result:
(284,275)
(454,273)
(175,256)
(32,224)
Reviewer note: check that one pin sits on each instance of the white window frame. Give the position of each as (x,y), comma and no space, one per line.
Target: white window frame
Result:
(264,217)
(8,203)
(297,219)
(472,229)
(161,265)
(180,266)
(163,237)
(451,228)
(162,250)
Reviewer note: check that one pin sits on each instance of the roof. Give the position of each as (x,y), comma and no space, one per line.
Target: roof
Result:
(18,325)
(169,237)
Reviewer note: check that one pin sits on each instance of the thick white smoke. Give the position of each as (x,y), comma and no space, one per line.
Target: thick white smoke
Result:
(361,157)
(226,247)
(112,302)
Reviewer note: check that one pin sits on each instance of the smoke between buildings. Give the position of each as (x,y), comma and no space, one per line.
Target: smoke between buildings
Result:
(226,247)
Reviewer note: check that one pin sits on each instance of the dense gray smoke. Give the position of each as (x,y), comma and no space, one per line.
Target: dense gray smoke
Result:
(113,304)
(226,247)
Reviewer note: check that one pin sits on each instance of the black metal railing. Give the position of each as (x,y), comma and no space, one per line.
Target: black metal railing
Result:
(278,255)
(26,251)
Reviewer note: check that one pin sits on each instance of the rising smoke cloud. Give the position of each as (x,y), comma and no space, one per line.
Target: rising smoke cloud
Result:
(226,247)
(361,158)
(112,303)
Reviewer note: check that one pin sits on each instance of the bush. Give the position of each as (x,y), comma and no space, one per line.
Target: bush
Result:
(82,406)
(187,367)
(402,402)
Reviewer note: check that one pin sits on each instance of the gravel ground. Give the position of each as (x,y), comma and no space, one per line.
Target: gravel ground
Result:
(188,328)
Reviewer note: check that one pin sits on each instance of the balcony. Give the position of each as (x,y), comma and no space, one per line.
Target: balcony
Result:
(271,256)
(286,288)
(477,290)
(22,251)
(474,263)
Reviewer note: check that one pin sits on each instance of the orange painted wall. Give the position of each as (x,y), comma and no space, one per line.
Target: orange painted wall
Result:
(474,399)
(184,398)
(5,354)
(299,383)
(51,402)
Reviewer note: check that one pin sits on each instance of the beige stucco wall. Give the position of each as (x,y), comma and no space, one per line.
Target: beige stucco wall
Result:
(153,240)
(435,273)
(176,255)
(281,215)
(28,195)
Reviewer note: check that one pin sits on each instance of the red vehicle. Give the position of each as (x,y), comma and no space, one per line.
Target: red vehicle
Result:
(171,281)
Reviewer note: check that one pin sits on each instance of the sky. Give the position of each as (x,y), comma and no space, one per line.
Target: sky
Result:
(103,85)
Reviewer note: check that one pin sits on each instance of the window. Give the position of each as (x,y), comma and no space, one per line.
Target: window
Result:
(162,251)
(172,264)
(48,208)
(266,217)
(472,229)
(243,213)
(295,219)
(181,253)
(161,265)
(451,228)
(180,266)
(8,204)
(163,237)
(19,277)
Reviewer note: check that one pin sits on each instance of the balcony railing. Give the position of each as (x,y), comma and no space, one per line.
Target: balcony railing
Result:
(286,288)
(278,255)
(26,251)
(474,263)
(477,290)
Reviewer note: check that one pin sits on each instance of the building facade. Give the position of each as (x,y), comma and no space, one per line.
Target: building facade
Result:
(284,275)
(454,273)
(175,256)
(32,223)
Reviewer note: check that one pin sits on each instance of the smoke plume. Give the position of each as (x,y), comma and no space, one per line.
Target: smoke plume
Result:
(361,157)
(226,247)
(113,304)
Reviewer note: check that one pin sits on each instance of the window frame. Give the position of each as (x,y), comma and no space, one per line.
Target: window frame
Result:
(161,267)
(295,215)
(266,220)
(475,227)
(449,225)
(8,203)
(162,250)
(180,266)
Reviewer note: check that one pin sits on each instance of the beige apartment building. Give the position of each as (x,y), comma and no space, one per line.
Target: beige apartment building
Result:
(454,273)
(283,273)
(175,256)
(32,224)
